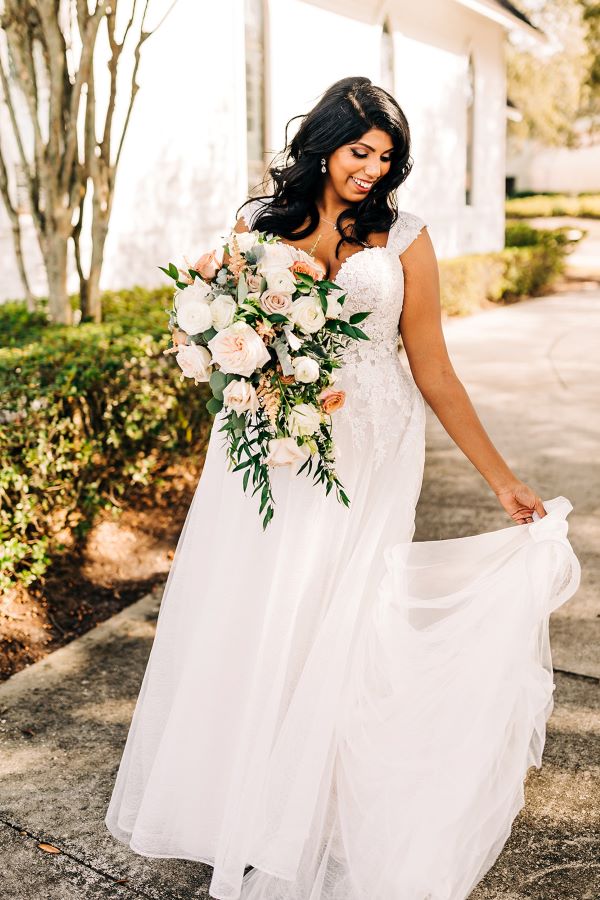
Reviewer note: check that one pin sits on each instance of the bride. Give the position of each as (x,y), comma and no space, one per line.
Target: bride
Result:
(331,711)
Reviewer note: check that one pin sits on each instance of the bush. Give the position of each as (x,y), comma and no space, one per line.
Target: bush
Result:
(586,206)
(528,265)
(88,415)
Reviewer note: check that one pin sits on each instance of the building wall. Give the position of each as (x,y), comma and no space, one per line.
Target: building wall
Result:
(537,168)
(184,168)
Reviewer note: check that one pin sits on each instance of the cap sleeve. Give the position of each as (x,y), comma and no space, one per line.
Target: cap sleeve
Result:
(249,211)
(404,231)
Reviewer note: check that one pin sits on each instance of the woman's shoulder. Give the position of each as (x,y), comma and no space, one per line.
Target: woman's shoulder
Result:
(405,230)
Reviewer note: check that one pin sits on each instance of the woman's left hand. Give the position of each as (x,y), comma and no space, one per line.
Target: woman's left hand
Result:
(520,501)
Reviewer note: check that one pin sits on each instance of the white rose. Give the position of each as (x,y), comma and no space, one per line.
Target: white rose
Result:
(198,290)
(193,310)
(334,308)
(240,396)
(274,257)
(238,349)
(222,310)
(245,240)
(306,369)
(304,419)
(280,281)
(286,452)
(307,313)
(194,361)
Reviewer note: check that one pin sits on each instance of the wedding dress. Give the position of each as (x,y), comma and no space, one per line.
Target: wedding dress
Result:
(347,711)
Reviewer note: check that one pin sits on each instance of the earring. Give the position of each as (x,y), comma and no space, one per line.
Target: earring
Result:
(323,166)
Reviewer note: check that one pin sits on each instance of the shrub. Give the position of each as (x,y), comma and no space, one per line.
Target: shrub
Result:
(585,206)
(88,415)
(528,265)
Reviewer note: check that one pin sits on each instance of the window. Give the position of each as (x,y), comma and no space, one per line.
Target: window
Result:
(387,58)
(255,90)
(470,136)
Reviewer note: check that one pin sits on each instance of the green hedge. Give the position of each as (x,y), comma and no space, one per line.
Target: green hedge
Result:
(87,416)
(585,206)
(528,265)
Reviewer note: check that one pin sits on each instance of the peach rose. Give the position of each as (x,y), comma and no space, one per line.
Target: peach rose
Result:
(194,361)
(275,302)
(238,349)
(315,271)
(254,282)
(208,265)
(331,400)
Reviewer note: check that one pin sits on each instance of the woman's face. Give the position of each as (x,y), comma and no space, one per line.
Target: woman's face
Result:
(354,168)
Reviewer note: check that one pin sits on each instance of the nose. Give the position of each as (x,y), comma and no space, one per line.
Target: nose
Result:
(373,169)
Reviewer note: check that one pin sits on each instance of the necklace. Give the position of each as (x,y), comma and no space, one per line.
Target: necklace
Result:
(320,235)
(330,222)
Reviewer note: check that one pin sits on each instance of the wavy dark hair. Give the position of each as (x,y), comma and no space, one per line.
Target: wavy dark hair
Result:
(347,109)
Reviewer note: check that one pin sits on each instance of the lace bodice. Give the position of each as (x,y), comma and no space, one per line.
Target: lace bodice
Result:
(380,391)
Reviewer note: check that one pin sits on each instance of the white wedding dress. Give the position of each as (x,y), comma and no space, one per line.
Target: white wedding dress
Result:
(347,711)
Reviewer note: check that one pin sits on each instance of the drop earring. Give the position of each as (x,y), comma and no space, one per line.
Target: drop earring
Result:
(323,166)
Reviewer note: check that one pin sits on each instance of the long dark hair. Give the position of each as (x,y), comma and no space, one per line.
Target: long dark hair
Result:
(347,109)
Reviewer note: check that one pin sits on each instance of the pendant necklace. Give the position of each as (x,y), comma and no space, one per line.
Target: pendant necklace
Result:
(314,246)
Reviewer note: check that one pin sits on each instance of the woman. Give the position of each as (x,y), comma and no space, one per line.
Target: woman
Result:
(347,712)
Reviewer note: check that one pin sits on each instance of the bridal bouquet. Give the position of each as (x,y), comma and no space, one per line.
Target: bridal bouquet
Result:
(264,330)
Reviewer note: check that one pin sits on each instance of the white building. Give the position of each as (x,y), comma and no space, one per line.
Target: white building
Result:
(220,80)
(531,166)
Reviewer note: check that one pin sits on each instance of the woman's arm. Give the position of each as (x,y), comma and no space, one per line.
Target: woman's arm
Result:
(423,339)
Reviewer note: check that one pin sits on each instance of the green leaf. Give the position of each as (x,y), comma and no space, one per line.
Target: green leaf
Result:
(304,278)
(214,406)
(359,317)
(217,382)
(348,329)
(242,288)
(208,334)
(275,317)
(246,477)
(360,334)
(173,270)
(243,465)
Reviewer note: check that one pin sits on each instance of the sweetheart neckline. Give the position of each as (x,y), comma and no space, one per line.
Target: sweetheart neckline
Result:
(348,258)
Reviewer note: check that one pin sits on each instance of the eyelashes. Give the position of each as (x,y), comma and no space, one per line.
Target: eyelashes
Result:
(364,156)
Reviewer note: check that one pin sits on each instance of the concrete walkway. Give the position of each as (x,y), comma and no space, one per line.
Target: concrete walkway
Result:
(532,372)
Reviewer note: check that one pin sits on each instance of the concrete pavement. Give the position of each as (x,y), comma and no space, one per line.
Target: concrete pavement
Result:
(532,371)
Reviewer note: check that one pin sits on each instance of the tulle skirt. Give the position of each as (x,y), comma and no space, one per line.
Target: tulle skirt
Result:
(349,712)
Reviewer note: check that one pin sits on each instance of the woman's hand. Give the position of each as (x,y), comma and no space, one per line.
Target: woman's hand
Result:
(519,501)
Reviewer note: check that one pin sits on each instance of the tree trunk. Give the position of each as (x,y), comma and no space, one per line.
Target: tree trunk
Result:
(55,257)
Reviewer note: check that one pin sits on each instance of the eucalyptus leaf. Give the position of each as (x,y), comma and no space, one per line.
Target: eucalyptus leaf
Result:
(242,288)
(214,406)
(217,381)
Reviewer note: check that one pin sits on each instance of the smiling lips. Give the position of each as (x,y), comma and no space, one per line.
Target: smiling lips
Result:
(361,185)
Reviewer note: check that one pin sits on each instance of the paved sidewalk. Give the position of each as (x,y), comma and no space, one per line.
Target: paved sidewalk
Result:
(532,372)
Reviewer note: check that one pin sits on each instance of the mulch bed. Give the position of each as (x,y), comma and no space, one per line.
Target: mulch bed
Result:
(84,587)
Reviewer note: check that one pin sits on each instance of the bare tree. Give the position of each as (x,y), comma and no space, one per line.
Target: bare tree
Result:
(64,146)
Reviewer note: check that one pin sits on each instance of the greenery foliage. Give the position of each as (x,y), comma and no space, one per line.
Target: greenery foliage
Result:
(88,415)
(584,206)
(530,262)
